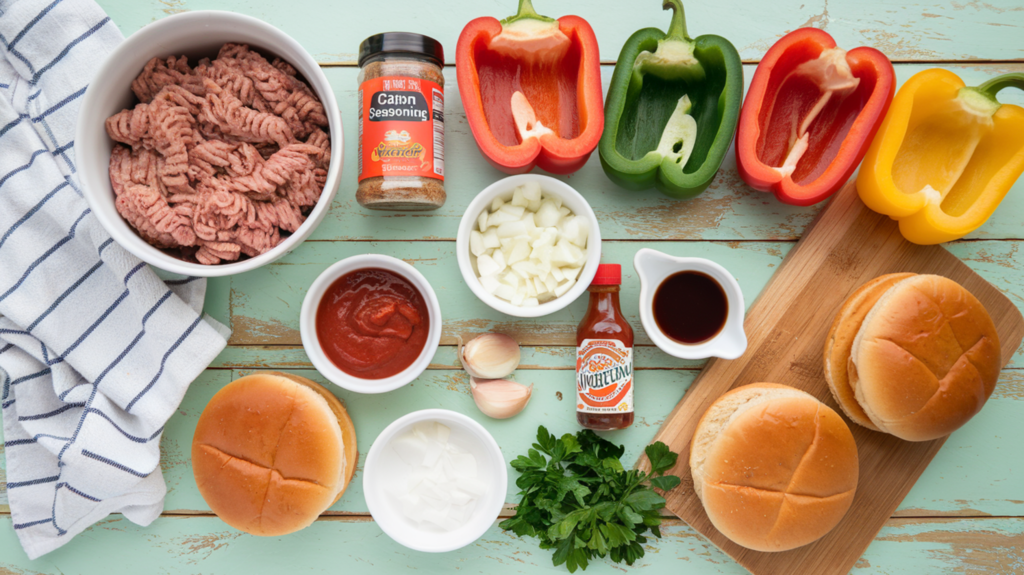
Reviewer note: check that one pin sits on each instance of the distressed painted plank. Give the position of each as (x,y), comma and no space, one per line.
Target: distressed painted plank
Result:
(645,357)
(533,357)
(930,30)
(206,545)
(263,305)
(976,473)
(728,210)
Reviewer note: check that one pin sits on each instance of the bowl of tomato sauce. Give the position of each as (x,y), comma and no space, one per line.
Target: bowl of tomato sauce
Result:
(370,323)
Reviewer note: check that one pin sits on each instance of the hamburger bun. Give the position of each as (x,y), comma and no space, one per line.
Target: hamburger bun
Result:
(774,467)
(925,359)
(839,342)
(272,451)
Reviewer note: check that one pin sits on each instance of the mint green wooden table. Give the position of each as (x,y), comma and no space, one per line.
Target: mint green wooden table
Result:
(966,514)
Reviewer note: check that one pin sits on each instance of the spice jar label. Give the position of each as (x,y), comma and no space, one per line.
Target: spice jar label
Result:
(604,376)
(402,132)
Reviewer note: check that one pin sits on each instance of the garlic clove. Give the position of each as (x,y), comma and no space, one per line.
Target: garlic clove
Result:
(489,356)
(500,398)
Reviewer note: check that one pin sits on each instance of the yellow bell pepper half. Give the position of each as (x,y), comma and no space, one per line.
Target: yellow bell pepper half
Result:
(945,156)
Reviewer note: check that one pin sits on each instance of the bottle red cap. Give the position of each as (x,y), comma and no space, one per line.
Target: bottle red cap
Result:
(608,275)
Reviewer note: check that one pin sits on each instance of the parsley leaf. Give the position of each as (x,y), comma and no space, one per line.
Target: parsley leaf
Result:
(665,482)
(578,500)
(661,457)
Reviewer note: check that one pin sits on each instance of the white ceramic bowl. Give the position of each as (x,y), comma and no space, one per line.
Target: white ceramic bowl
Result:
(503,189)
(383,466)
(323,364)
(196,35)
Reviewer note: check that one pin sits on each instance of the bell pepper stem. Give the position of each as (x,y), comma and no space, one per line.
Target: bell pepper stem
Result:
(526,11)
(677,29)
(993,86)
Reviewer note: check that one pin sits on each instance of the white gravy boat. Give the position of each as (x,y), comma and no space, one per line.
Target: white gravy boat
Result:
(653,267)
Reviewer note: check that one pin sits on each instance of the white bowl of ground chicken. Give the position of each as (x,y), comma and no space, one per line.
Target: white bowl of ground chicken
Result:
(218,214)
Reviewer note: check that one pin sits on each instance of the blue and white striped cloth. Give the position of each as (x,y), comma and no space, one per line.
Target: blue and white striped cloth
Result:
(96,351)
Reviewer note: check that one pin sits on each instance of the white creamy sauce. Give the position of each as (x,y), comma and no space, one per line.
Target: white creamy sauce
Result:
(441,487)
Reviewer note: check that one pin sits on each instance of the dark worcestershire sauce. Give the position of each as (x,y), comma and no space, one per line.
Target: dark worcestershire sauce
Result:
(690,307)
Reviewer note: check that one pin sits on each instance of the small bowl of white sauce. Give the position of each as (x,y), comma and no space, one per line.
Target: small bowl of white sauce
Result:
(435,480)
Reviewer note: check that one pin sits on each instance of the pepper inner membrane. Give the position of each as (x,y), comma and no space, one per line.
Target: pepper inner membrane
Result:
(792,98)
(648,108)
(941,153)
(549,87)
(995,151)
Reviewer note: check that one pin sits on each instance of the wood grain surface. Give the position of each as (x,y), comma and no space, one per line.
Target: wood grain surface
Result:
(965,514)
(846,246)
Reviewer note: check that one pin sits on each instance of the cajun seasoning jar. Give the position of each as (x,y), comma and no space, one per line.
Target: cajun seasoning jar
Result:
(604,357)
(401,122)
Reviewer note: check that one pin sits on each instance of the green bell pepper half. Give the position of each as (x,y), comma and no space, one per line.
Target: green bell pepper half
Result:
(671,110)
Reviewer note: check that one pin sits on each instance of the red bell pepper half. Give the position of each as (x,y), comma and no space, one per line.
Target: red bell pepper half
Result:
(531,87)
(810,114)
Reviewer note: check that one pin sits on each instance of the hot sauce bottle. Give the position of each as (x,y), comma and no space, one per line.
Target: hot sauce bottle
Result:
(604,357)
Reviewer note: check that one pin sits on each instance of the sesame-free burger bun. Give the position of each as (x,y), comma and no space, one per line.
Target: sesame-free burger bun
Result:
(925,359)
(272,451)
(839,343)
(774,467)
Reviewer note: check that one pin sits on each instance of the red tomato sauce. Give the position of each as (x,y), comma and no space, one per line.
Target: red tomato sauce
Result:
(372,323)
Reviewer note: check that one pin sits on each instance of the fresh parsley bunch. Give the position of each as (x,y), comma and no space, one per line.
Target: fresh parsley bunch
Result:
(579,501)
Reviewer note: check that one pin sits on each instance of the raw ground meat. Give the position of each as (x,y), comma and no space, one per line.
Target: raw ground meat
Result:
(219,160)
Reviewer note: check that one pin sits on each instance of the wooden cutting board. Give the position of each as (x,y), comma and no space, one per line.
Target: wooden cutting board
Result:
(845,246)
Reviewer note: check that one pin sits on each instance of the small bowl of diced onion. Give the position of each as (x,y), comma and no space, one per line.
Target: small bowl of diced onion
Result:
(528,245)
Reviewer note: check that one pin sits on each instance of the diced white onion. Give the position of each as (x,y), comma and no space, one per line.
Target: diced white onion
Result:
(516,211)
(476,243)
(518,199)
(529,249)
(486,265)
(548,214)
(511,229)
(551,283)
(490,238)
(520,251)
(499,259)
(564,287)
(500,217)
(490,283)
(505,292)
(532,191)
(512,278)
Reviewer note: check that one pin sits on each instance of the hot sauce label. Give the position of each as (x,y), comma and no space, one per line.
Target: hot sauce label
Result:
(402,128)
(604,377)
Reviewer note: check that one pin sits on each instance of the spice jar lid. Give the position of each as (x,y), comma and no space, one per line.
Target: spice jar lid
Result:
(401,43)
(608,275)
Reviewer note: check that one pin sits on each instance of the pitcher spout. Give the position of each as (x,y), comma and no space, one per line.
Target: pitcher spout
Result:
(732,342)
(647,261)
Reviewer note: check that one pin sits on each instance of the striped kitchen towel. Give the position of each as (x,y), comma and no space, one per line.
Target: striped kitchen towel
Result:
(96,350)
